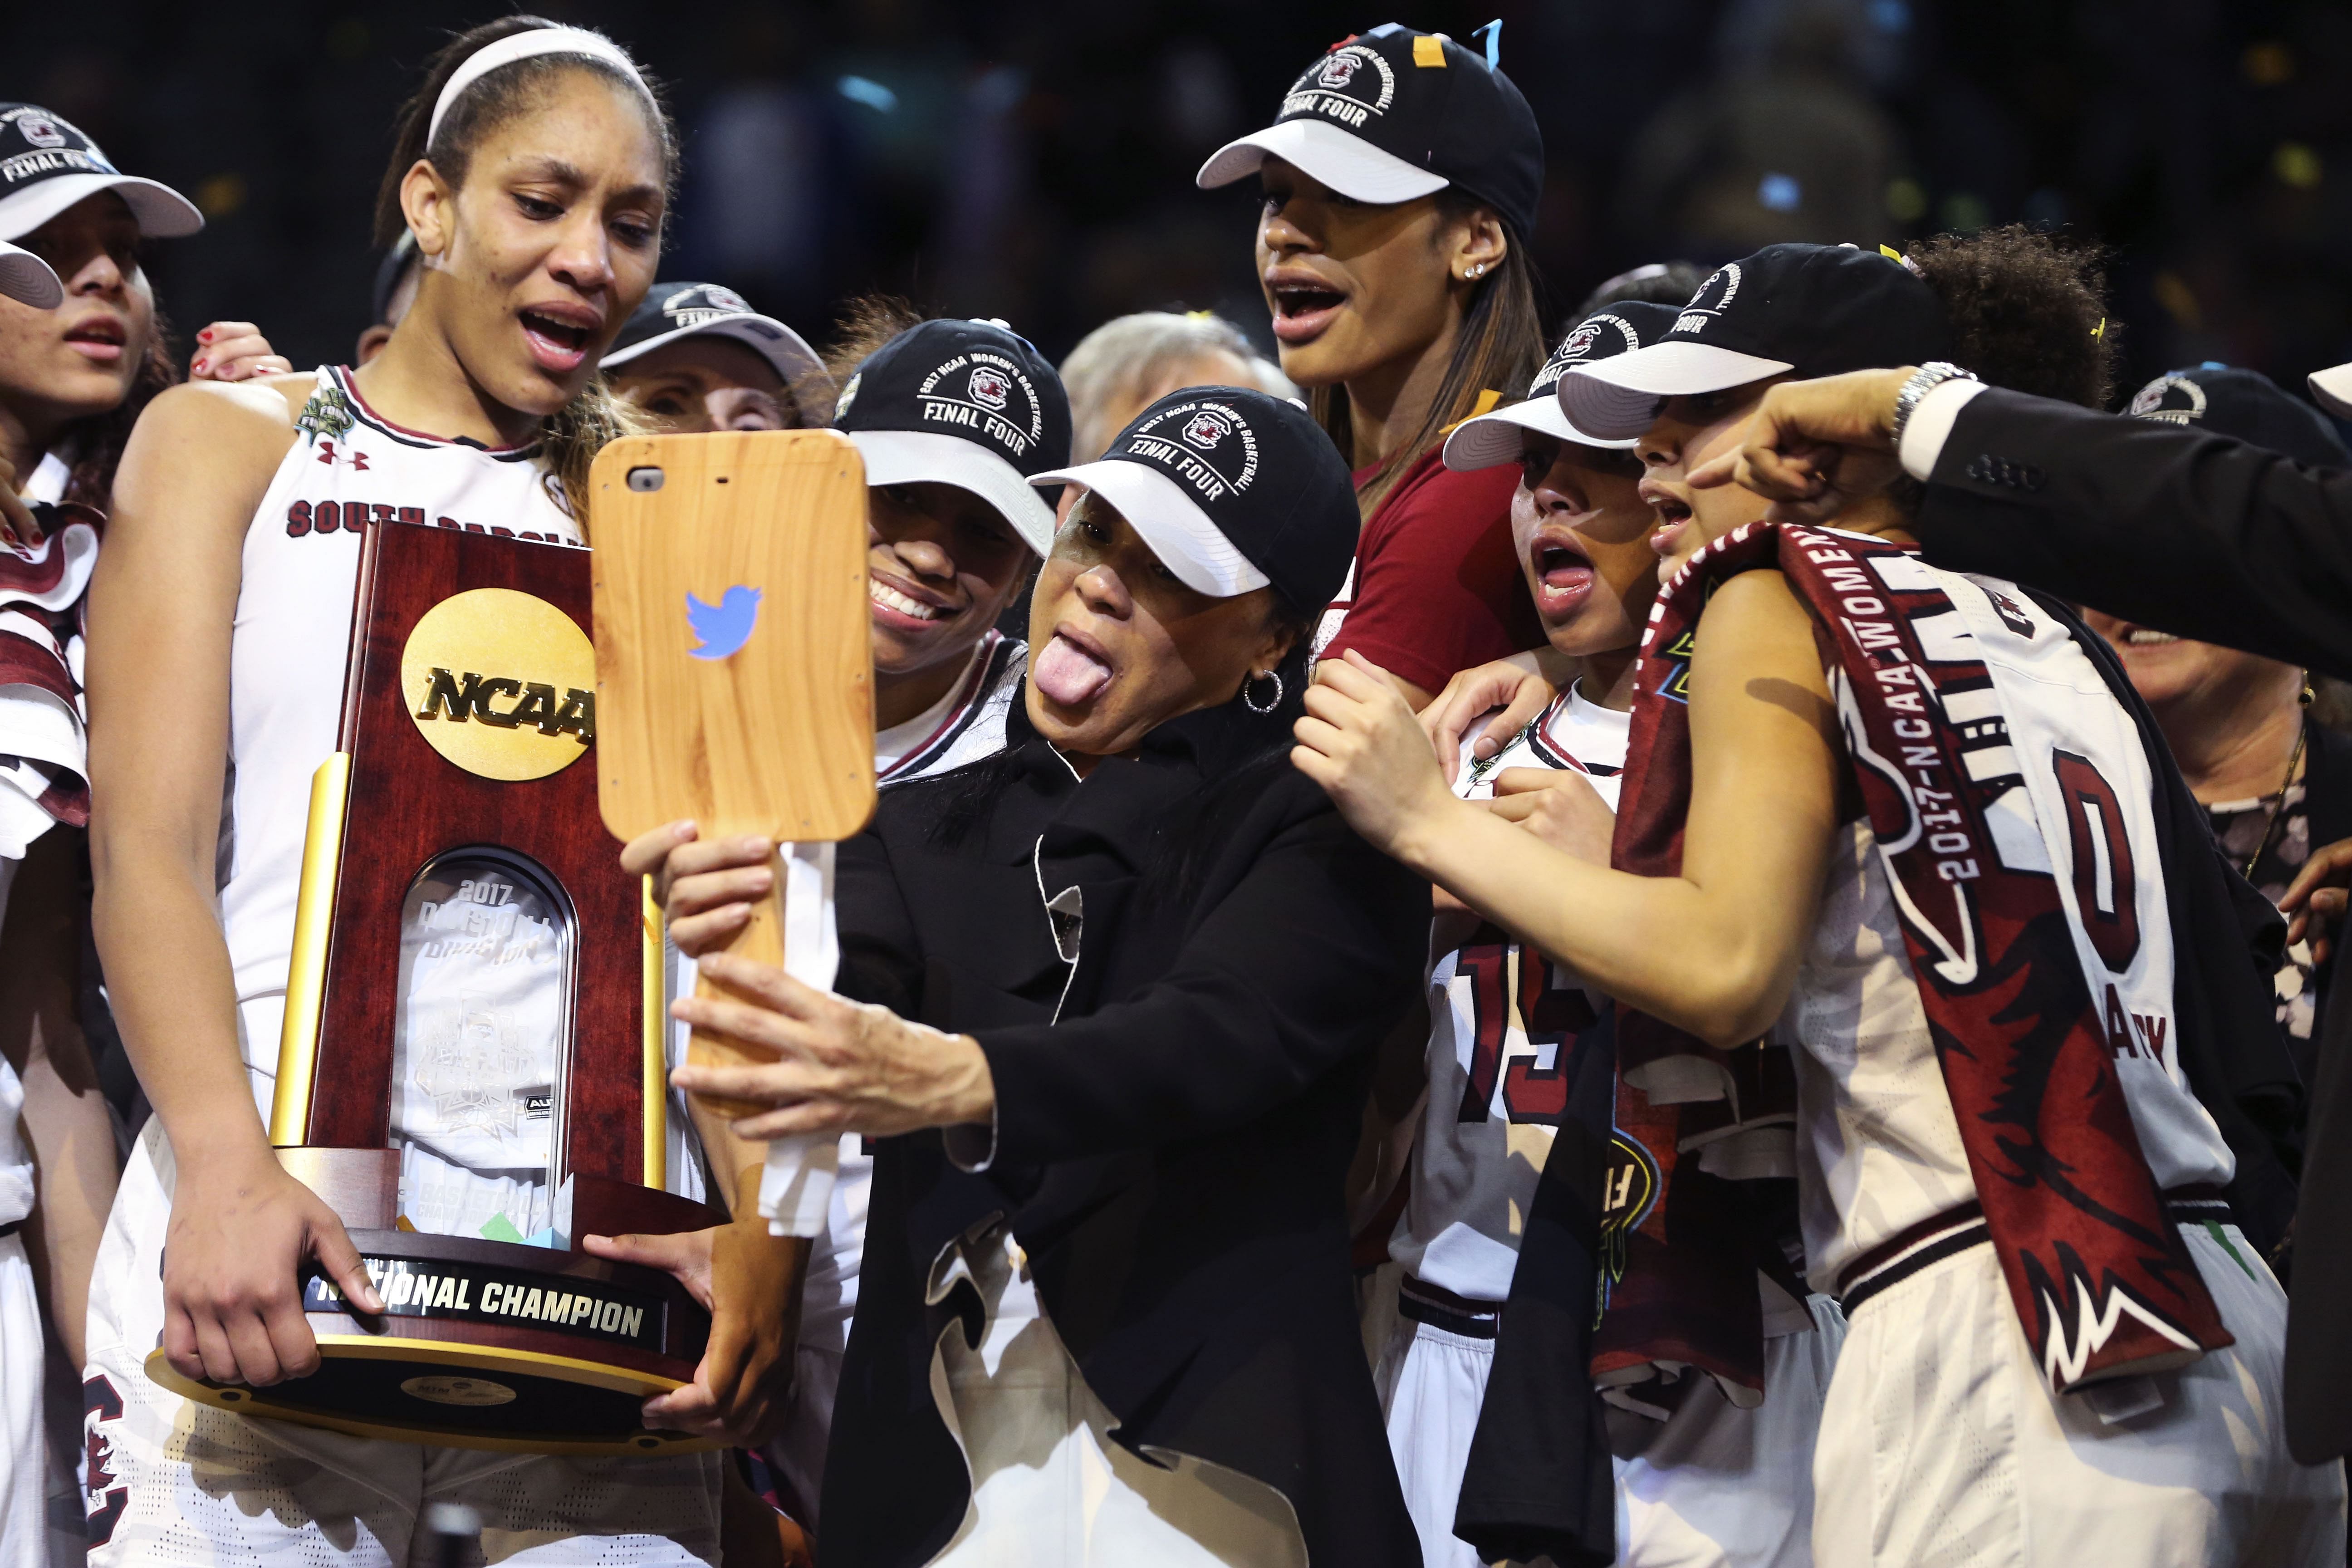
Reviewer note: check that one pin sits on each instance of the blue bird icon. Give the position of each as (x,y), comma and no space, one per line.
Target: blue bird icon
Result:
(726,626)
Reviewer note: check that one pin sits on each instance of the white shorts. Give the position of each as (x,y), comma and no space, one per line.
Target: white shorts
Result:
(1718,1486)
(173,1482)
(23,1458)
(1942,1445)
(1050,1487)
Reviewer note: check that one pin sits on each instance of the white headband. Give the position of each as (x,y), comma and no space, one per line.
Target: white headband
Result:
(523,47)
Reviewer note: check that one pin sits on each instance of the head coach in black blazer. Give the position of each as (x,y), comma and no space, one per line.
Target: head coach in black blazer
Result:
(1123,984)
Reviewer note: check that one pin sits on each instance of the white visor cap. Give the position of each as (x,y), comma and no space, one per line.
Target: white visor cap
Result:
(1349,165)
(921,456)
(1168,520)
(26,278)
(2332,387)
(1490,440)
(1617,398)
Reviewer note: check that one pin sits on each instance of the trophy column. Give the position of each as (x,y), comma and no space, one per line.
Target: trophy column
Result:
(471,1072)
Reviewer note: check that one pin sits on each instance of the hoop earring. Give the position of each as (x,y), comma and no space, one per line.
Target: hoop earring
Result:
(1250,701)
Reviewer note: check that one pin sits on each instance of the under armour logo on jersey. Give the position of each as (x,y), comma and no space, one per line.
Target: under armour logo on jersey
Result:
(329,456)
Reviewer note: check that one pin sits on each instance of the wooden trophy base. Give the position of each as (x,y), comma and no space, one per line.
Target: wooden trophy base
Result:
(486,1344)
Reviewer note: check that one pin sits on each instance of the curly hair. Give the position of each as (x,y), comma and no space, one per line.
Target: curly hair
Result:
(2027,312)
(866,324)
(93,445)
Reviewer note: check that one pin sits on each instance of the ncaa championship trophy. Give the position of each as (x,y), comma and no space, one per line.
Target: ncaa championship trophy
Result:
(468,952)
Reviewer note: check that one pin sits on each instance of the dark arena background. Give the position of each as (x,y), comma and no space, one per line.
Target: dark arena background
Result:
(1035,162)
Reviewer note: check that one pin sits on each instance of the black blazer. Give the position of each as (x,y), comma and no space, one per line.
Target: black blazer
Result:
(1171,1152)
(2212,539)
(2200,535)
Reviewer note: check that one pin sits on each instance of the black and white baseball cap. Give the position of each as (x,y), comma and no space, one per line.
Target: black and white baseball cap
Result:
(675,310)
(47,165)
(2228,400)
(969,404)
(1392,114)
(1490,440)
(2332,387)
(1233,488)
(26,278)
(1813,309)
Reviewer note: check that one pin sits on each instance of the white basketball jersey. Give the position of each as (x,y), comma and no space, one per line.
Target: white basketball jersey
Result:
(1494,1065)
(348,470)
(1879,1148)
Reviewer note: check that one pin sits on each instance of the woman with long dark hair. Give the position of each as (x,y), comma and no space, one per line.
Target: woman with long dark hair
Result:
(1400,183)
(534,167)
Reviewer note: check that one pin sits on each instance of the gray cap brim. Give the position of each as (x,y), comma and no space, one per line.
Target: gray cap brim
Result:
(924,457)
(1490,440)
(1617,397)
(162,212)
(769,338)
(26,278)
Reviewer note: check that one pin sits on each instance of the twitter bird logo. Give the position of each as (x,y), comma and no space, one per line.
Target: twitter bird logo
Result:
(726,626)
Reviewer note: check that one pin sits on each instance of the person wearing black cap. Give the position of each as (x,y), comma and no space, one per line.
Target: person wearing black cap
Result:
(2276,782)
(393,292)
(75,373)
(1519,1065)
(951,418)
(41,577)
(1151,971)
(1401,181)
(1954,873)
(696,356)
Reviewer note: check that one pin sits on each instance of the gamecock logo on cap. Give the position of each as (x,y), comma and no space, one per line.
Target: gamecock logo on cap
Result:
(1336,72)
(40,131)
(990,388)
(1206,430)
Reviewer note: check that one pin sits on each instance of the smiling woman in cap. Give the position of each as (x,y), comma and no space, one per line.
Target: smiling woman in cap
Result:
(1400,181)
(696,356)
(952,419)
(1152,971)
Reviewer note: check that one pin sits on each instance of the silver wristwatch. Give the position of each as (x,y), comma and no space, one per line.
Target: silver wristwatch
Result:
(1923,380)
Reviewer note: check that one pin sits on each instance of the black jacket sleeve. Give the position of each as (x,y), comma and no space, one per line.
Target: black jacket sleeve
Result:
(1298,968)
(881,956)
(2195,535)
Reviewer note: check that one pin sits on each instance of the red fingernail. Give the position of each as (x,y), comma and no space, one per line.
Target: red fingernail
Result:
(202,366)
(206,336)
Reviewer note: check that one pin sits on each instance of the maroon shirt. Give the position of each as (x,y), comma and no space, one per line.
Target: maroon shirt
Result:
(1437,586)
